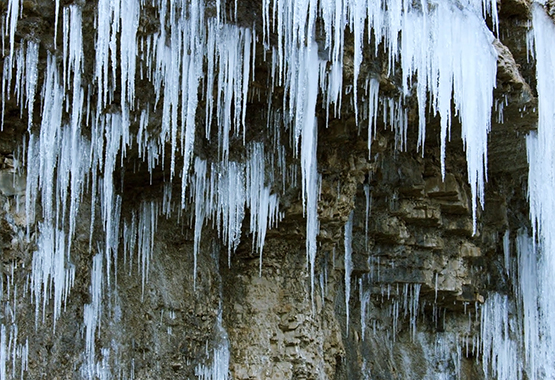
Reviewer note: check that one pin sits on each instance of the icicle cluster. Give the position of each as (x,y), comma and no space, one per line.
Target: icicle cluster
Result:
(214,200)
(499,349)
(534,320)
(218,370)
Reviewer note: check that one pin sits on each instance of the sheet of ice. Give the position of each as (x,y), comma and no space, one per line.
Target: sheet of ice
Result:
(537,254)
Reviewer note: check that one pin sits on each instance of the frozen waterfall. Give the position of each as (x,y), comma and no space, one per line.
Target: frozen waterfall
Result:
(86,116)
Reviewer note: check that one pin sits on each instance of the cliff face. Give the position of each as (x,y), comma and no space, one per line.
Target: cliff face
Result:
(199,224)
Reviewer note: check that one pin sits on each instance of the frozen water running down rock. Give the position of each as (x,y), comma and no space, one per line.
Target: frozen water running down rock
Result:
(348,265)
(537,282)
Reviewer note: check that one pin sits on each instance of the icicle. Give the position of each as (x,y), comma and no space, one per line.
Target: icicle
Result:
(110,201)
(49,136)
(528,285)
(13,15)
(50,273)
(31,79)
(92,314)
(144,230)
(537,292)
(499,350)
(102,52)
(364,304)
(368,198)
(306,125)
(394,315)
(229,49)
(190,75)
(348,265)
(56,17)
(231,204)
(77,164)
(414,301)
(373,91)
(213,199)
(129,19)
(3,353)
(507,251)
(198,190)
(357,26)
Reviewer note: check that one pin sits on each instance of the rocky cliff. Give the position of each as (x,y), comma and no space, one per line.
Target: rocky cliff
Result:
(240,190)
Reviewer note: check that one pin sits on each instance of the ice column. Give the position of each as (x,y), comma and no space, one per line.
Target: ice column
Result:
(306,126)
(541,182)
(348,264)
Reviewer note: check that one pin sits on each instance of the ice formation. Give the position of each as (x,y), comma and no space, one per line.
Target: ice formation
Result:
(86,130)
(533,318)
(499,350)
(218,370)
(348,266)
(536,255)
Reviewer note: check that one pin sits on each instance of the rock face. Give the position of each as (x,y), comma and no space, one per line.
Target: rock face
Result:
(140,293)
